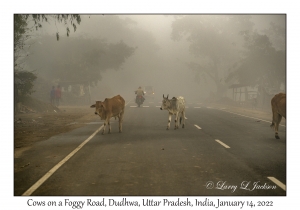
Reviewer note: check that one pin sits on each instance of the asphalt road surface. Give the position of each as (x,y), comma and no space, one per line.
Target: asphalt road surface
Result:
(217,153)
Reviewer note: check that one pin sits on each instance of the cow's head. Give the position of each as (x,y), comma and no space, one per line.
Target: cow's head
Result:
(165,102)
(100,108)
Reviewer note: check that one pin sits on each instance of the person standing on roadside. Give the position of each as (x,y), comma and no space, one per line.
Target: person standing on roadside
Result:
(52,96)
(57,95)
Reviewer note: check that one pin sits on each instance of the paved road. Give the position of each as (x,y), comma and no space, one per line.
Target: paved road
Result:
(217,153)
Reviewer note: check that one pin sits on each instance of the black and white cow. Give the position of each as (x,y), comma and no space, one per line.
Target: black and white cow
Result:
(175,106)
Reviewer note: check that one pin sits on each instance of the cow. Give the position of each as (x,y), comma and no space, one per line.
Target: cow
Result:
(278,104)
(110,107)
(175,106)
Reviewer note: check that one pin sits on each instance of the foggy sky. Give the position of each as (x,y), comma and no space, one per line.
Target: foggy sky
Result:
(161,65)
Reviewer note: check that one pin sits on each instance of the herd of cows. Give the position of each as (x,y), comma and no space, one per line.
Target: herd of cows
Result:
(115,107)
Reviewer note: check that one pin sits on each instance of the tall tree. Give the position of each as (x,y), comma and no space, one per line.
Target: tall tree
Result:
(261,63)
(214,41)
(277,35)
(77,59)
(23,80)
(24,24)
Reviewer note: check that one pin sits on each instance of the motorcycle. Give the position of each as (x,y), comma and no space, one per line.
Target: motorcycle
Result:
(139,100)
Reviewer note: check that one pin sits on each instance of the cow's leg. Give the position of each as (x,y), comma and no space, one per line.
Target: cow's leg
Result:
(277,126)
(109,129)
(274,120)
(120,124)
(120,121)
(104,126)
(170,118)
(176,120)
(183,118)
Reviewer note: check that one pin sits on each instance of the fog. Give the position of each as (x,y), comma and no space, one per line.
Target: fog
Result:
(160,59)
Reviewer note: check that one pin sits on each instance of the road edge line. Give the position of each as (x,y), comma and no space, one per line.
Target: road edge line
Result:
(277,182)
(197,126)
(57,166)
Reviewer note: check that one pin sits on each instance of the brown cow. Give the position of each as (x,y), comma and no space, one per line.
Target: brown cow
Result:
(110,107)
(278,104)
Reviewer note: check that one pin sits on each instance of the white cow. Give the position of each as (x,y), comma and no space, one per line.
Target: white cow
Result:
(175,106)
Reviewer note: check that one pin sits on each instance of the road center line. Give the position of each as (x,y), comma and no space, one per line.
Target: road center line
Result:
(145,106)
(276,181)
(197,107)
(57,166)
(197,126)
(224,145)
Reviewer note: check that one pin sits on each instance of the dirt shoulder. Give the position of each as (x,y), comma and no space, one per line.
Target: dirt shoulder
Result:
(33,127)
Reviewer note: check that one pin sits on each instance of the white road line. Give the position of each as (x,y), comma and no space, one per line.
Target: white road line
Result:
(57,166)
(197,126)
(128,103)
(276,181)
(133,106)
(220,142)
(252,117)
(208,107)
(145,106)
(197,107)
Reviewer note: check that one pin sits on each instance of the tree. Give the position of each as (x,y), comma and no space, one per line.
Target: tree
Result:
(261,63)
(214,40)
(23,80)
(62,19)
(77,59)
(23,26)
(277,35)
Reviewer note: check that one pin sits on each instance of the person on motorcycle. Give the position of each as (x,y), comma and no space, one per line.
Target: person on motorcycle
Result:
(139,93)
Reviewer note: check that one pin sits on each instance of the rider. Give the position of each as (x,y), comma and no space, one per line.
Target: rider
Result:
(139,92)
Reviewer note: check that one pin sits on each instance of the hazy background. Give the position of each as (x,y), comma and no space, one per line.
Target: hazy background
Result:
(158,59)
